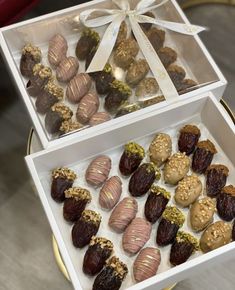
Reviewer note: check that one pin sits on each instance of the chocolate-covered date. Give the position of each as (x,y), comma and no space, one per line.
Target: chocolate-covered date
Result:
(67,69)
(57,50)
(87,107)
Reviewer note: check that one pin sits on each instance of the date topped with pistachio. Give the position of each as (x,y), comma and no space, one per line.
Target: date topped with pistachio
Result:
(172,220)
(86,43)
(143,178)
(131,158)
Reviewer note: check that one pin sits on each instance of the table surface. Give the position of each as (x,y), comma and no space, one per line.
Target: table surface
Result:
(26,256)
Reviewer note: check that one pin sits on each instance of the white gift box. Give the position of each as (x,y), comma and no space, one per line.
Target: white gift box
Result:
(193,56)
(204,111)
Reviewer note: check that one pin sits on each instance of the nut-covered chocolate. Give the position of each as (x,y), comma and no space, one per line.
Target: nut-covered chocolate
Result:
(57,50)
(156,203)
(55,117)
(146,264)
(156,37)
(215,236)
(122,34)
(147,87)
(87,107)
(123,214)
(99,250)
(69,126)
(110,192)
(86,43)
(41,76)
(76,199)
(31,55)
(203,156)
(143,178)
(172,219)
(126,52)
(98,170)
(136,235)
(131,158)
(167,56)
(152,101)
(137,72)
(186,85)
(176,168)
(85,228)
(67,69)
(177,74)
(127,108)
(226,203)
(62,179)
(50,95)
(118,94)
(112,276)
(183,247)
(78,87)
(104,79)
(188,190)
(201,213)
(188,138)
(160,149)
(216,177)
(99,118)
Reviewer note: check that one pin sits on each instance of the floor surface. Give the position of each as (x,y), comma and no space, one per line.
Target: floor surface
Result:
(26,257)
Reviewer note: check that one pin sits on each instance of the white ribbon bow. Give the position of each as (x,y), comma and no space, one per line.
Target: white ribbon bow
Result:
(115,18)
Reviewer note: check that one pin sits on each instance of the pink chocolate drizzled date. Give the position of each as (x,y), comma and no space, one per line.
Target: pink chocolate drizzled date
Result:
(57,49)
(67,69)
(87,107)
(99,118)
(123,214)
(110,192)
(136,235)
(78,87)
(98,170)
(146,264)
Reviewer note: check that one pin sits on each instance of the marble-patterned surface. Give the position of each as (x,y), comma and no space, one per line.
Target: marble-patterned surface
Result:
(26,257)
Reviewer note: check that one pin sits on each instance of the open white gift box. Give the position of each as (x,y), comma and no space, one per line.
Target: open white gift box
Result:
(204,111)
(192,55)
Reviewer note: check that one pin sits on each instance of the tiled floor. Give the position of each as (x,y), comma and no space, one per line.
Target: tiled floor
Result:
(26,258)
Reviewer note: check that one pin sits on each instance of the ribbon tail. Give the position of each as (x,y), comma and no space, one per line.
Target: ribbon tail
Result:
(106,45)
(183,28)
(165,83)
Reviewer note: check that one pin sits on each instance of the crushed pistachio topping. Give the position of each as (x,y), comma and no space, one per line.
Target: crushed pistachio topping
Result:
(230,189)
(120,269)
(219,167)
(188,238)
(134,148)
(107,68)
(160,191)
(103,242)
(63,172)
(54,90)
(207,145)
(122,87)
(128,108)
(191,129)
(157,173)
(33,50)
(174,215)
(91,216)
(69,126)
(91,33)
(78,193)
(185,186)
(63,110)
